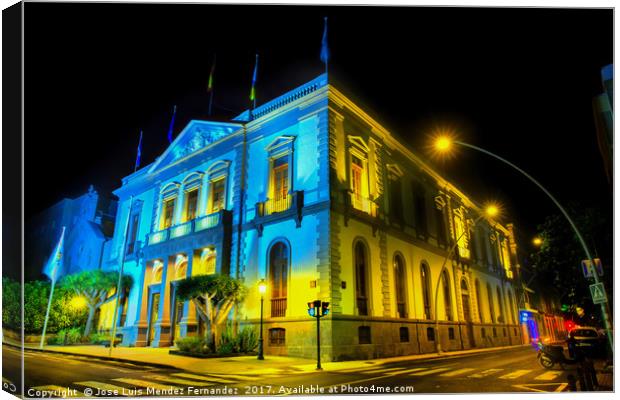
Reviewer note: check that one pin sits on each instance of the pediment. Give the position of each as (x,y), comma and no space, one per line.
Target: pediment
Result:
(280,142)
(194,137)
(395,169)
(359,142)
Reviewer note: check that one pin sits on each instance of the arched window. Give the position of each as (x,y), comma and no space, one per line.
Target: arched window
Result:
(465,300)
(278,278)
(500,302)
(445,281)
(479,300)
(491,306)
(426,290)
(399,280)
(361,285)
(511,306)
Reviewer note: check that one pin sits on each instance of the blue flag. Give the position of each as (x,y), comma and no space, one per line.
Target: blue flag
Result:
(253,90)
(54,264)
(171,128)
(139,153)
(324,46)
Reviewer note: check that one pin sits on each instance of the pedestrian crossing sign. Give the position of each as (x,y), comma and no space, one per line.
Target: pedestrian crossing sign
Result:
(598,293)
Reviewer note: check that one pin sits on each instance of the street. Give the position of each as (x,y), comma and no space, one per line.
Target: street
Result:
(514,370)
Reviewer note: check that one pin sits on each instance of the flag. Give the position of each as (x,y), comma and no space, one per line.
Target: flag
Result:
(139,153)
(171,128)
(210,84)
(253,90)
(324,46)
(54,264)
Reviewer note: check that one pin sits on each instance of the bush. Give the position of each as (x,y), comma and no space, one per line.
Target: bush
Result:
(74,335)
(192,344)
(59,338)
(97,338)
(245,341)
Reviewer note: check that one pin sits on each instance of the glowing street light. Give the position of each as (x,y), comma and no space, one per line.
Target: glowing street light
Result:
(443,144)
(491,210)
(537,241)
(262,289)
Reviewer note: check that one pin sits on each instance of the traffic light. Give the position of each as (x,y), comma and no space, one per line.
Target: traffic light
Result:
(325,308)
(569,325)
(311,309)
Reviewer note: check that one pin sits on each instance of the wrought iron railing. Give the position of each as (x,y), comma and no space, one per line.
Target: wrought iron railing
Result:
(364,204)
(362,306)
(278,307)
(208,221)
(278,205)
(181,230)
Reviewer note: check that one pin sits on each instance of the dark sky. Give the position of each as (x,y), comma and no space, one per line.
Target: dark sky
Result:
(518,82)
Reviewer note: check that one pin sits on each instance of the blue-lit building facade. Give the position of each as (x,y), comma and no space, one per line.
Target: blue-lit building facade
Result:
(310,193)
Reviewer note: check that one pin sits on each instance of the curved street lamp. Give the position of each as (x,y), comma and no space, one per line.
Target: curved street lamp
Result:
(445,143)
(490,210)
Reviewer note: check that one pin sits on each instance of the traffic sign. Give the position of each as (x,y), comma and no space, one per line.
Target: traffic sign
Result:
(586,267)
(598,293)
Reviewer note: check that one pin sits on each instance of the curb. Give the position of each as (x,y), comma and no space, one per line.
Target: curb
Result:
(104,358)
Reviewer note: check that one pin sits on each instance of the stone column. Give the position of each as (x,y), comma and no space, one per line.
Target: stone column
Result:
(137,333)
(189,323)
(180,205)
(204,196)
(162,326)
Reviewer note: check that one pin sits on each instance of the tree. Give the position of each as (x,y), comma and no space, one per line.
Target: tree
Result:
(214,297)
(557,263)
(95,286)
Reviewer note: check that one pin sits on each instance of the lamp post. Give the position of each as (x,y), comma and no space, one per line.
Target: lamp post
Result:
(318,309)
(444,143)
(262,288)
(491,211)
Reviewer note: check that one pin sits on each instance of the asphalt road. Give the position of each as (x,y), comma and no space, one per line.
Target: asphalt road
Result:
(55,375)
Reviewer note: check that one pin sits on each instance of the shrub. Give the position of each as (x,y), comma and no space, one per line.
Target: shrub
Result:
(193,344)
(60,337)
(97,338)
(74,335)
(245,341)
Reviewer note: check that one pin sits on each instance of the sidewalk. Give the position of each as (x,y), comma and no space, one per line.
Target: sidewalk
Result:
(245,365)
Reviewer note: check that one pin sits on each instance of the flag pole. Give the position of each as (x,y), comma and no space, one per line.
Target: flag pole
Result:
(210,85)
(120,276)
(139,155)
(49,302)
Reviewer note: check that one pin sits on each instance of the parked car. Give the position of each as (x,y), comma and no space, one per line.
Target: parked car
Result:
(585,340)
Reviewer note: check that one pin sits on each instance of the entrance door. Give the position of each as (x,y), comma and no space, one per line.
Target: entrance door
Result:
(177,310)
(153,316)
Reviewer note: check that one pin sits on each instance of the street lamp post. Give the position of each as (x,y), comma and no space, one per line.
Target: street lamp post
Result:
(444,143)
(262,288)
(490,211)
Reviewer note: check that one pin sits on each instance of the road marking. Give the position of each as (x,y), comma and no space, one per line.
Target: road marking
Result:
(515,374)
(533,387)
(104,386)
(238,377)
(429,372)
(485,373)
(458,372)
(187,382)
(146,384)
(59,390)
(548,376)
(203,378)
(384,370)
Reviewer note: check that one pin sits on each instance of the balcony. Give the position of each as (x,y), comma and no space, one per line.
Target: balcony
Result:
(278,307)
(187,228)
(272,209)
(363,204)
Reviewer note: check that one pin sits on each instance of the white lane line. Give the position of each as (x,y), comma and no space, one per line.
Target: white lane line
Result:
(58,391)
(458,372)
(548,376)
(515,374)
(104,387)
(429,372)
(203,378)
(486,372)
(145,384)
(384,370)
(238,377)
(163,378)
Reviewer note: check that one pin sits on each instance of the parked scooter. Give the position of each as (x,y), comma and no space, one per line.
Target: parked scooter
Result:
(549,355)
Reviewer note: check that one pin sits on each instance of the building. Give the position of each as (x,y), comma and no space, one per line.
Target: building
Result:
(310,193)
(89,222)
(603,106)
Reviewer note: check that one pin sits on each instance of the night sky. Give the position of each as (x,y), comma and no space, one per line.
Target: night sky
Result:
(518,82)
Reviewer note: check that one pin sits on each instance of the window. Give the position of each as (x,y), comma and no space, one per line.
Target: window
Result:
(500,303)
(491,306)
(396,199)
(451,333)
(357,174)
(277,336)
(399,280)
(426,293)
(494,332)
(510,310)
(217,192)
(133,233)
(278,276)
(479,300)
(208,262)
(461,234)
(483,332)
(472,243)
(441,226)
(363,333)
(404,334)
(504,329)
(168,214)
(361,269)
(506,257)
(280,184)
(359,181)
(191,204)
(445,280)
(419,204)
(430,334)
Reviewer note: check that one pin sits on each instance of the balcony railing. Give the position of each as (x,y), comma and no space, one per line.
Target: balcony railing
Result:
(158,237)
(181,230)
(278,307)
(292,200)
(278,205)
(363,204)
(206,222)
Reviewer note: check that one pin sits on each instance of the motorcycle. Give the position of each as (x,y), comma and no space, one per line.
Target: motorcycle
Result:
(549,355)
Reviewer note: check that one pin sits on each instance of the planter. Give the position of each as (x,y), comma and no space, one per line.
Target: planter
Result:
(197,355)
